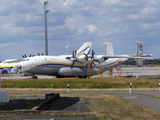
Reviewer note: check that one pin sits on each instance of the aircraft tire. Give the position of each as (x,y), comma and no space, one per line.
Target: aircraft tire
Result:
(82,77)
(35,77)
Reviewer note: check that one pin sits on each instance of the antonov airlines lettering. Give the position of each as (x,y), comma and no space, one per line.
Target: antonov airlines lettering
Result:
(77,64)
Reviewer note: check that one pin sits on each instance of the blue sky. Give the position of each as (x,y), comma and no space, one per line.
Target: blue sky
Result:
(73,22)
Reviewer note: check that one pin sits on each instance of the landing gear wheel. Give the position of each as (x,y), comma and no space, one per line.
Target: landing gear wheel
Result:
(34,77)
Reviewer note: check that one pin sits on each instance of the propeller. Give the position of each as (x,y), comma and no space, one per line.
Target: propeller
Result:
(73,58)
(24,56)
(30,55)
(90,59)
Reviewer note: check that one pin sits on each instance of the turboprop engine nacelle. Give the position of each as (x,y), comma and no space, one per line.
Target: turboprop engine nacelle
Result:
(82,58)
(100,59)
(67,71)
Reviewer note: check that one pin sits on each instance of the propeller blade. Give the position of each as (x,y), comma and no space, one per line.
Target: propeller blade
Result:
(30,55)
(93,54)
(87,65)
(93,63)
(86,57)
(73,54)
(23,56)
(72,64)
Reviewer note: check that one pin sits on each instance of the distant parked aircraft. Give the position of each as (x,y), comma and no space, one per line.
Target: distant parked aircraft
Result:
(5,67)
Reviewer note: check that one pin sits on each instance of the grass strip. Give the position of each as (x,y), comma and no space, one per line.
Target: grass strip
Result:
(82,83)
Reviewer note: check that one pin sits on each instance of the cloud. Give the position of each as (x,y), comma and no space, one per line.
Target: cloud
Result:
(92,28)
(74,22)
(133,17)
(115,3)
(148,10)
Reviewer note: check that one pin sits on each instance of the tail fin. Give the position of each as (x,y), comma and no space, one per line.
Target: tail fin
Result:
(108,49)
(84,49)
(139,48)
(139,52)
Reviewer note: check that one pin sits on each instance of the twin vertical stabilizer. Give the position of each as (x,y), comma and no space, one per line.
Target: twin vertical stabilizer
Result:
(108,49)
(84,49)
(139,52)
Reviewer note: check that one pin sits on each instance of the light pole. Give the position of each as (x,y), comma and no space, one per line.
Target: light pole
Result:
(45,20)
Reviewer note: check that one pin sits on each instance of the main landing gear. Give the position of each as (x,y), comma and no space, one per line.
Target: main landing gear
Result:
(34,77)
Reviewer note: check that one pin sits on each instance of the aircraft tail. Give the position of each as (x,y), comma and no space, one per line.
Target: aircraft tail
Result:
(84,49)
(139,53)
(108,49)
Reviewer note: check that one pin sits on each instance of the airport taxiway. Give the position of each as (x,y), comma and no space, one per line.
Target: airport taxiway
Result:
(145,72)
(76,104)
(150,99)
(19,76)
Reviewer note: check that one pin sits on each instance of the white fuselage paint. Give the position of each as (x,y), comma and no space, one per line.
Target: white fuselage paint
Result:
(59,65)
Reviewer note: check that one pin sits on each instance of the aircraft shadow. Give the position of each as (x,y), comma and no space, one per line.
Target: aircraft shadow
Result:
(69,104)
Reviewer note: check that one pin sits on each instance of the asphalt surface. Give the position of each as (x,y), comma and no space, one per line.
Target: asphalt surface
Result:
(147,101)
(19,76)
(62,105)
(75,104)
(68,104)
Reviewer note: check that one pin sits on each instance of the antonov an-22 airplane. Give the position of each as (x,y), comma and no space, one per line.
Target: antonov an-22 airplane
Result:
(76,64)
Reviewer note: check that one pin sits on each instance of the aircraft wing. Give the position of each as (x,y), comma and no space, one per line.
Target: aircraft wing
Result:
(13,61)
(127,56)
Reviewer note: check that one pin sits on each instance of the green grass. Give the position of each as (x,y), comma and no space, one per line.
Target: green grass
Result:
(103,106)
(82,83)
(110,107)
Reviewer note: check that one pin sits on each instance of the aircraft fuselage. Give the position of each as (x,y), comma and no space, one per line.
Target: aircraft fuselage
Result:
(60,66)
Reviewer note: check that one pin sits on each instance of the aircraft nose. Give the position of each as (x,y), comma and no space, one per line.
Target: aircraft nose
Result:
(18,66)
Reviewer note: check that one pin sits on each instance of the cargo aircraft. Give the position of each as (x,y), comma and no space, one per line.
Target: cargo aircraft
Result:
(76,65)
